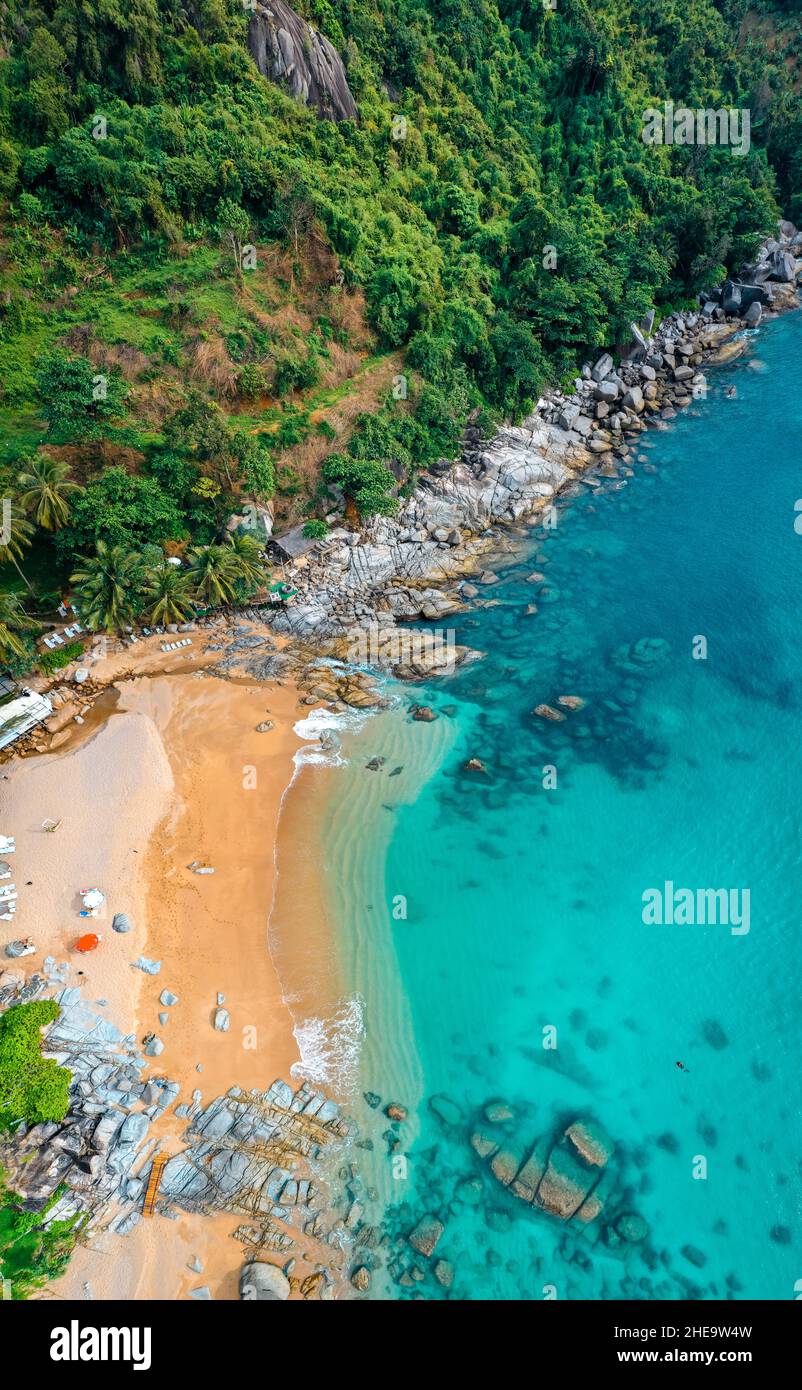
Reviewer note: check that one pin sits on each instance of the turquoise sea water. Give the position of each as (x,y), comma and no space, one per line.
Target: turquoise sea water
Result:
(524,904)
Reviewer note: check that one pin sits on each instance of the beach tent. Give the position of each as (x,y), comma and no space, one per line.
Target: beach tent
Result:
(19,714)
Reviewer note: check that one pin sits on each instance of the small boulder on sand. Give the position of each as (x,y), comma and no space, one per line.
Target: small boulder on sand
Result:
(263,1283)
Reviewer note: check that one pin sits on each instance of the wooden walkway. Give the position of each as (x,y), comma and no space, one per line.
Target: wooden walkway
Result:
(155,1178)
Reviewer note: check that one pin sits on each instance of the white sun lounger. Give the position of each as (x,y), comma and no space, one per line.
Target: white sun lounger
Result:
(171,646)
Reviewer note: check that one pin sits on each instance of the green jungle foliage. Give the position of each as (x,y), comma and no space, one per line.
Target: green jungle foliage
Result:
(31,1251)
(491,219)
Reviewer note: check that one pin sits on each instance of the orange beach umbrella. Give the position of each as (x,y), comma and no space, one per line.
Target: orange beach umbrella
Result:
(87,943)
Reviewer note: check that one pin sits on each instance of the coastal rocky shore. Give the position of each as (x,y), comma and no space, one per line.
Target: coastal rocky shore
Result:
(257,1155)
(426,562)
(356,589)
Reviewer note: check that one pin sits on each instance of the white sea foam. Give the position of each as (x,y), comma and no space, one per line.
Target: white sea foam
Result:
(322,731)
(329,1047)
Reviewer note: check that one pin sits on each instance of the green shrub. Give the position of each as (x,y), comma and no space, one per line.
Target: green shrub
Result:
(251,381)
(367,483)
(61,656)
(33,1088)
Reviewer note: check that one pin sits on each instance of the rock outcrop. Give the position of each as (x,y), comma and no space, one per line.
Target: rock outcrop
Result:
(257,1154)
(291,52)
(566,1175)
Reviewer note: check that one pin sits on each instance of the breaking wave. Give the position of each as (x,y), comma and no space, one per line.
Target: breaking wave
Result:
(322,732)
(329,1048)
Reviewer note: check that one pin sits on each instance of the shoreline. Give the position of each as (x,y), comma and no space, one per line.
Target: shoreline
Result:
(173,772)
(374,1166)
(274,978)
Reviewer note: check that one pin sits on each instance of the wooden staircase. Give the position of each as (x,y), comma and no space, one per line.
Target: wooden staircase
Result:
(159,1160)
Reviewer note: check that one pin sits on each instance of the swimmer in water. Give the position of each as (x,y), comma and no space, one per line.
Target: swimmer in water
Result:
(683,1067)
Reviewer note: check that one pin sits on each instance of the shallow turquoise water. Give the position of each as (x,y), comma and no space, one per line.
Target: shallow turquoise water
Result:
(525,903)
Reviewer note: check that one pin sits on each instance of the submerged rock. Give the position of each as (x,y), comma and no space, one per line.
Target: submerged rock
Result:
(446,1110)
(485,1145)
(426,1234)
(475,765)
(498,1112)
(564,1185)
(548,712)
(591,1142)
(632,1228)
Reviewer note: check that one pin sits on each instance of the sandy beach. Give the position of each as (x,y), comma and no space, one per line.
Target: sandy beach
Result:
(169,771)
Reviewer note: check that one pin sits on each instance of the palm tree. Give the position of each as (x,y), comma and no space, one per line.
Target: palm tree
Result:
(15,536)
(13,621)
(166,593)
(107,586)
(247,558)
(213,573)
(46,492)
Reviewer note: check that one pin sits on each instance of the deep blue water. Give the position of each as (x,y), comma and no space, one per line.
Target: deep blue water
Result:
(525,902)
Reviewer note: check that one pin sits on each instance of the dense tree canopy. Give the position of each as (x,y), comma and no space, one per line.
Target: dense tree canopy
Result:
(492,218)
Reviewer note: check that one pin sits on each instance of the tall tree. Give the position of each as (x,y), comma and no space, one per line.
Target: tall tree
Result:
(108,586)
(166,594)
(46,492)
(213,573)
(248,563)
(16,533)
